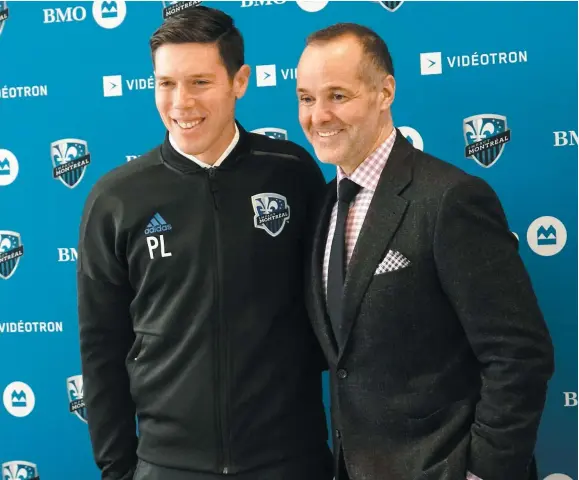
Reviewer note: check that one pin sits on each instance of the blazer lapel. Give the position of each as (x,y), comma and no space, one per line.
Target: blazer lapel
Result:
(382,219)
(321,320)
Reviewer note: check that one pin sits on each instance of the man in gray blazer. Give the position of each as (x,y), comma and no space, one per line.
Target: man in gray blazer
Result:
(439,355)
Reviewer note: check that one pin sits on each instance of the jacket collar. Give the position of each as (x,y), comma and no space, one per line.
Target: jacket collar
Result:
(176,161)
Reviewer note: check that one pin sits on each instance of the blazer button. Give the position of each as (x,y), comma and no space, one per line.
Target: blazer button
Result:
(342,373)
(338,434)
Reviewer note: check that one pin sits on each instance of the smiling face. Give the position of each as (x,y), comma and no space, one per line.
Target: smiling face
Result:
(196,97)
(344,106)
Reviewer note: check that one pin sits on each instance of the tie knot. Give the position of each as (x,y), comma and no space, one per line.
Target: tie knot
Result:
(347,190)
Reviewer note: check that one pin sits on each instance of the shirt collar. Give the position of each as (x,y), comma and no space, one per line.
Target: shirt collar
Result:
(367,174)
(203,164)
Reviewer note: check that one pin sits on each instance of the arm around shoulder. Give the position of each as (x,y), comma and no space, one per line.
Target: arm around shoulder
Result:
(104,296)
(486,281)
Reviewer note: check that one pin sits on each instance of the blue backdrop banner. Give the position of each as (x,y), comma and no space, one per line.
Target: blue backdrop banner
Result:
(484,86)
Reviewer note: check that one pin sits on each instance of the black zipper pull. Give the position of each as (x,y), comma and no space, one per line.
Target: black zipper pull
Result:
(213,185)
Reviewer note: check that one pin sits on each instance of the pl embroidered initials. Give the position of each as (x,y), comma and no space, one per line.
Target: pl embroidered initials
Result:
(157,224)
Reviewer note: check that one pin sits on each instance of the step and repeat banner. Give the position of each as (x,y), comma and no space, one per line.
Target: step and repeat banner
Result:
(489,87)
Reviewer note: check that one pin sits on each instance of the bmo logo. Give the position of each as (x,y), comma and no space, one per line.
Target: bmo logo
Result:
(67,255)
(570,399)
(66,15)
(565,138)
(106,13)
(261,3)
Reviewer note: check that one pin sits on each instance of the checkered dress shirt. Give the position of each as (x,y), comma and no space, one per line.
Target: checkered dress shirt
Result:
(367,176)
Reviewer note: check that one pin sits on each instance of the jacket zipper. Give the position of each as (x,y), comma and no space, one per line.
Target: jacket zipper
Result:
(220,343)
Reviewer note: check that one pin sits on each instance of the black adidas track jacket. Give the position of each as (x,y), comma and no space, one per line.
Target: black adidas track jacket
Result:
(191,311)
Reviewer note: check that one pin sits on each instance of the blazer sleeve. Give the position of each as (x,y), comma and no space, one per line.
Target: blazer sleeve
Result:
(106,335)
(315,189)
(486,281)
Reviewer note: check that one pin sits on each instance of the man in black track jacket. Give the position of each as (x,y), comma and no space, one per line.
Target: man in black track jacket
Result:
(190,280)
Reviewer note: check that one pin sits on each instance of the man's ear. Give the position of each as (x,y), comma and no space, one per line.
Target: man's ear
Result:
(241,81)
(387,92)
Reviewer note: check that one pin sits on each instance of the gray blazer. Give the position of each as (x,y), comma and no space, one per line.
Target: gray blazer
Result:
(446,361)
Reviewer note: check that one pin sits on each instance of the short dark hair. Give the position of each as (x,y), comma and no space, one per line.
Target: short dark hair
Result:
(374,47)
(203,25)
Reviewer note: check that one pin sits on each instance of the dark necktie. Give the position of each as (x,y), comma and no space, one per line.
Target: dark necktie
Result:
(347,190)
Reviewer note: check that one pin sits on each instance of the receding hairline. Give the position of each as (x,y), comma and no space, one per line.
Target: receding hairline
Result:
(369,70)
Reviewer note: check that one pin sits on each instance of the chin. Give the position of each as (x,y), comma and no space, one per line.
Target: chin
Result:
(330,157)
(188,147)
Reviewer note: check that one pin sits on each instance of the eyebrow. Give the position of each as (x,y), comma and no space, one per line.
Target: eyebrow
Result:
(197,75)
(329,88)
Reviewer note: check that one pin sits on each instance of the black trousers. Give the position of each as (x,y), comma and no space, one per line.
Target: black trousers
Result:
(314,466)
(343,473)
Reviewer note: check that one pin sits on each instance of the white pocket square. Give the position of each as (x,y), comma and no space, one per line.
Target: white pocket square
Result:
(392,261)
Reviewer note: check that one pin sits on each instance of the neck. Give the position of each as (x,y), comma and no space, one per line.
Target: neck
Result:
(215,151)
(349,167)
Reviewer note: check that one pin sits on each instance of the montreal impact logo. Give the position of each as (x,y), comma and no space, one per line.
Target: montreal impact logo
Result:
(70,158)
(19,470)
(271,212)
(272,132)
(485,136)
(74,386)
(11,249)
(3,14)
(391,6)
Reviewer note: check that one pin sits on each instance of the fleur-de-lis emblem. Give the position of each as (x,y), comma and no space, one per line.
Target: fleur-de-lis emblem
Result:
(5,244)
(64,152)
(267,205)
(75,390)
(74,385)
(19,471)
(480,130)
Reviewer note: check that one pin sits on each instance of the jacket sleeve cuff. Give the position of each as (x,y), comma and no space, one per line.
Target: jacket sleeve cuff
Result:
(472,476)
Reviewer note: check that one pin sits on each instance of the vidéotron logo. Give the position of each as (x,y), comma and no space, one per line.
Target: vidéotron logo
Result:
(19,470)
(272,132)
(3,14)
(547,236)
(8,167)
(485,136)
(266,75)
(11,249)
(19,399)
(74,387)
(431,63)
(113,85)
(271,212)
(70,158)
